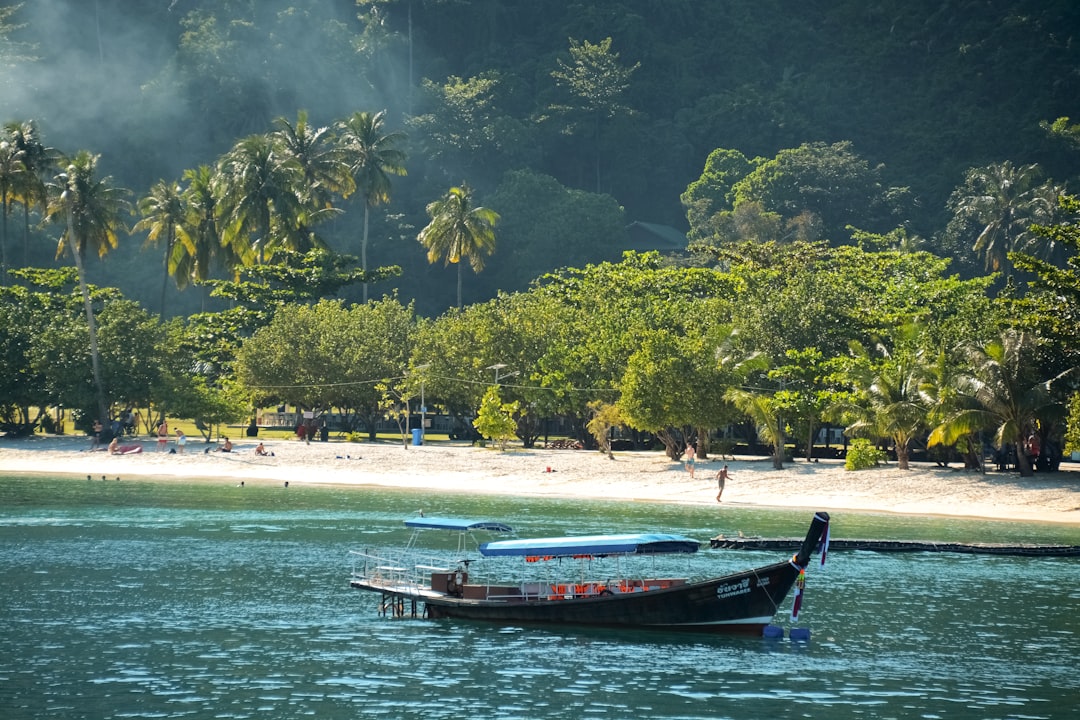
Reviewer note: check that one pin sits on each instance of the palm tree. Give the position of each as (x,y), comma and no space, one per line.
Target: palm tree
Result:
(372,158)
(1004,202)
(11,171)
(91,209)
(38,162)
(200,242)
(163,218)
(322,161)
(767,414)
(257,189)
(892,403)
(1004,395)
(459,231)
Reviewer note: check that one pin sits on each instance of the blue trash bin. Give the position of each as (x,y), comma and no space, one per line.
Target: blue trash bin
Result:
(417,436)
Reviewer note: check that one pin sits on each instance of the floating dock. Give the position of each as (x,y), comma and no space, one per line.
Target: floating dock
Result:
(755,543)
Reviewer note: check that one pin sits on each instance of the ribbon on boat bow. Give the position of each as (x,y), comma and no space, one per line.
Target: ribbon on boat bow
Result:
(800,585)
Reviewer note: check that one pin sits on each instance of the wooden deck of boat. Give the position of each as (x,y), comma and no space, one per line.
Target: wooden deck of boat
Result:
(755,543)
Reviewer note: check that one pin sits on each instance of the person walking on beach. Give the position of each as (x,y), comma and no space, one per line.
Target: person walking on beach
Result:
(691,454)
(721,480)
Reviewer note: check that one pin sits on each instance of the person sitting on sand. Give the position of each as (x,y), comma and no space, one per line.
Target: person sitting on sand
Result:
(114,446)
(261,450)
(226,446)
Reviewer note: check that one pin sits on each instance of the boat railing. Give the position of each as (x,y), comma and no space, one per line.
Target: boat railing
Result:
(397,569)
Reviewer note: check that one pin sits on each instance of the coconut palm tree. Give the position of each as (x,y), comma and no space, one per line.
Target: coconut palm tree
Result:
(90,209)
(892,404)
(459,231)
(257,187)
(323,164)
(200,242)
(11,172)
(1003,202)
(766,413)
(38,161)
(163,216)
(372,158)
(1004,393)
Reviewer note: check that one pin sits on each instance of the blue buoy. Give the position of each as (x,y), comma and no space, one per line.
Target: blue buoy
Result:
(799,634)
(773,631)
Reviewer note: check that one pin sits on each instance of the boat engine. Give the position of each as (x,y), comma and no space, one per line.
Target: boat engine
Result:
(451,583)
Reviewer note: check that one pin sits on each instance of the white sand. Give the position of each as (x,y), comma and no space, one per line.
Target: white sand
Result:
(644,476)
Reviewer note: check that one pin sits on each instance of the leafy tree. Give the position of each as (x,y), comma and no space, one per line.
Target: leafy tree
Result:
(1060,128)
(90,208)
(805,391)
(551,226)
(596,82)
(831,182)
(372,157)
(465,127)
(1052,306)
(606,416)
(495,419)
(713,191)
(326,355)
(660,389)
(459,231)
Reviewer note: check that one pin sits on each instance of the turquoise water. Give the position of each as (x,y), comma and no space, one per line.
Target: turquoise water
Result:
(204,600)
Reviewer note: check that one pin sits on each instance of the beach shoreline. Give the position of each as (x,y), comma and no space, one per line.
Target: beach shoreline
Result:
(631,476)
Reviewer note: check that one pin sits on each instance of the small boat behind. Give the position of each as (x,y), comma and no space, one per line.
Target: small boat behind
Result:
(555,589)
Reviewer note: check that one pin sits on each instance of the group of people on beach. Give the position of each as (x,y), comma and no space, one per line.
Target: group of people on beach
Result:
(722,474)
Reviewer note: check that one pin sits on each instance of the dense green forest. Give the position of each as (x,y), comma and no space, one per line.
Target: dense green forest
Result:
(922,91)
(864,188)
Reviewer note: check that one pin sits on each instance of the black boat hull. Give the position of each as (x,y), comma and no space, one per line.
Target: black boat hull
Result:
(739,603)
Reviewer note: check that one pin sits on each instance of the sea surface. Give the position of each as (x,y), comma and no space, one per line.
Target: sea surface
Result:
(175,599)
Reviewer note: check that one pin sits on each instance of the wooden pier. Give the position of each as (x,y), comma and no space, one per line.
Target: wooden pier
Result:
(755,543)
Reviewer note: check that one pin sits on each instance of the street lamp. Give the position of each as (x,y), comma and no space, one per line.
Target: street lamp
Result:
(423,407)
(496,367)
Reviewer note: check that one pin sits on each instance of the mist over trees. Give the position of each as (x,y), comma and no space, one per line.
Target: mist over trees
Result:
(621,99)
(276,152)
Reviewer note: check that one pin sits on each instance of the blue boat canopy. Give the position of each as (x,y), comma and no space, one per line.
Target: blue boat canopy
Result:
(634,544)
(435,523)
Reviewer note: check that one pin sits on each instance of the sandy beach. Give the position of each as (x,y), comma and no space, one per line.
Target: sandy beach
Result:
(636,476)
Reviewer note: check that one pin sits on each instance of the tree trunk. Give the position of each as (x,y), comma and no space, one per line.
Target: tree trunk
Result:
(902,455)
(103,410)
(1022,463)
(459,284)
(778,448)
(363,251)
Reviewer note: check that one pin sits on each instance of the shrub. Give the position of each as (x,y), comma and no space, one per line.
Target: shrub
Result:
(355,437)
(862,455)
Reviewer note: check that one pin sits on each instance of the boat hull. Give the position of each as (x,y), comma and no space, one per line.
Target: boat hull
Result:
(739,603)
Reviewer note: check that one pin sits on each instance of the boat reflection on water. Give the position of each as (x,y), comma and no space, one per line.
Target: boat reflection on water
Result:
(596,590)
